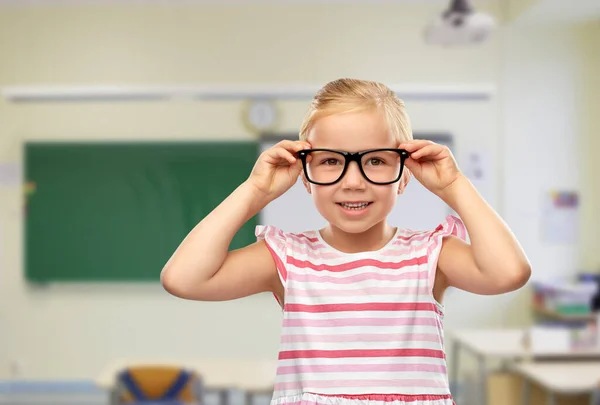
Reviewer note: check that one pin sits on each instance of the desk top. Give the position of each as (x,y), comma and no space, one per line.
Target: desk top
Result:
(510,343)
(562,377)
(245,374)
(492,342)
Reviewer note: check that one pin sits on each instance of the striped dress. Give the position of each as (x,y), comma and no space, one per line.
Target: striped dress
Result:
(363,327)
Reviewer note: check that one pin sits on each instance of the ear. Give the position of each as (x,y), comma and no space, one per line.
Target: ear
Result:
(404,180)
(305,182)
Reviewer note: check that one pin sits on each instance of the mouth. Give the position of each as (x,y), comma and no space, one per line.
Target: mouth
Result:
(355,206)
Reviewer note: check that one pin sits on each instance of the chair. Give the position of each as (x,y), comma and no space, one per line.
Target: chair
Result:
(158,385)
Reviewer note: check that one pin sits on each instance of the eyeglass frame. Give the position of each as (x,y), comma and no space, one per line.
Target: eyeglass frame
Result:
(353,157)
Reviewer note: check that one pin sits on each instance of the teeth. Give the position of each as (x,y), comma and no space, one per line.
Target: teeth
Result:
(356,206)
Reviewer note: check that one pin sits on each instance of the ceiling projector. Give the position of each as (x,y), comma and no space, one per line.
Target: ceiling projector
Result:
(459,25)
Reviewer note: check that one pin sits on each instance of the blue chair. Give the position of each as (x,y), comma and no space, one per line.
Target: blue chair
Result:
(158,385)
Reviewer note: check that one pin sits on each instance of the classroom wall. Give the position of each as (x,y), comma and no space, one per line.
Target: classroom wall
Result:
(589,114)
(547,85)
(75,331)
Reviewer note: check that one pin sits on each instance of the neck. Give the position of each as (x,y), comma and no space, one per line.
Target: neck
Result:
(372,239)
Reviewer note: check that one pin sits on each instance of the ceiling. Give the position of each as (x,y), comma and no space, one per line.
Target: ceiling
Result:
(557,11)
(535,11)
(50,2)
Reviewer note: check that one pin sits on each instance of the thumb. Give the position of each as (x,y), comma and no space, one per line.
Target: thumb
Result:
(411,164)
(296,168)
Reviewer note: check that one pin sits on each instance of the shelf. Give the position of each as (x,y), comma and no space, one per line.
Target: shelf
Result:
(545,312)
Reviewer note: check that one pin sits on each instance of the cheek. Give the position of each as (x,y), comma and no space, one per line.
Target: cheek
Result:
(323,199)
(322,194)
(386,196)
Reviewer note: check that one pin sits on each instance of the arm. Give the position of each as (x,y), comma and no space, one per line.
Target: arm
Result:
(203,268)
(494,262)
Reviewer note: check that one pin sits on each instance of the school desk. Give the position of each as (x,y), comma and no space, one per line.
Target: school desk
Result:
(507,345)
(560,378)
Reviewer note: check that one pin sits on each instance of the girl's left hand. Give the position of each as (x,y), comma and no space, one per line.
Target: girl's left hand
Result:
(432,164)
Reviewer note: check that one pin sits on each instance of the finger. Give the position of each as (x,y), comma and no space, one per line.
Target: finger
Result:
(277,154)
(415,144)
(294,146)
(429,151)
(413,166)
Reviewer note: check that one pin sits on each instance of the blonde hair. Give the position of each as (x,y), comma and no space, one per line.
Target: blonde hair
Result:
(353,95)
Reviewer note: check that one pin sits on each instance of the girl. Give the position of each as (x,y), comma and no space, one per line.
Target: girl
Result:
(361,298)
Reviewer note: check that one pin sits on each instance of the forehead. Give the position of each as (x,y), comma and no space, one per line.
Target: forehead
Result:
(352,132)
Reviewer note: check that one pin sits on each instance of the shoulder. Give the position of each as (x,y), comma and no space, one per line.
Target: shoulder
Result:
(287,247)
(451,225)
(290,242)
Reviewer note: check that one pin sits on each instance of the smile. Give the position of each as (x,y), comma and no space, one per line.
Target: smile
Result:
(355,205)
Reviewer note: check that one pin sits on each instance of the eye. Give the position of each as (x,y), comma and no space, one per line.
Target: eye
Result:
(375,162)
(330,162)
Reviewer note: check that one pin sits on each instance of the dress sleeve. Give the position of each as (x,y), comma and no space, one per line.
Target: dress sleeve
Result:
(452,225)
(276,241)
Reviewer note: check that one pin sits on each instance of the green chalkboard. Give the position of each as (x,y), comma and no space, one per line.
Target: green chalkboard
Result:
(117,211)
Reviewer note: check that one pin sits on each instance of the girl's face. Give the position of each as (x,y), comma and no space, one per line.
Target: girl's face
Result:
(353,132)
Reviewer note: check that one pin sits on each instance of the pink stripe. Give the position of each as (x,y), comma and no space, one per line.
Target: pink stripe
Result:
(340,354)
(375,306)
(360,368)
(319,254)
(337,322)
(324,398)
(278,262)
(275,237)
(359,383)
(383,337)
(308,238)
(402,246)
(396,291)
(303,239)
(421,236)
(415,261)
(316,250)
(392,397)
(413,275)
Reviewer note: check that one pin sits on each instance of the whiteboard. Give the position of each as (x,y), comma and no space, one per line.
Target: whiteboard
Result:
(417,208)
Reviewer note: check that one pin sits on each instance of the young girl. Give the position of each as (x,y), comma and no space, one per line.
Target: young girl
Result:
(361,298)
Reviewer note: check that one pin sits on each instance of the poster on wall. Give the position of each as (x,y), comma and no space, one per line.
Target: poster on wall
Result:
(560,217)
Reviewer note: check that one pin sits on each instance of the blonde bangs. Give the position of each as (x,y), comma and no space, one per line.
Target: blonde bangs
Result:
(351,96)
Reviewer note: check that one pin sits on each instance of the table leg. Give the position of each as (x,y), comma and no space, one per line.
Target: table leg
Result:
(595,397)
(551,398)
(455,366)
(526,399)
(482,379)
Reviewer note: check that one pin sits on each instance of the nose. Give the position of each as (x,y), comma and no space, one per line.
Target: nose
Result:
(353,178)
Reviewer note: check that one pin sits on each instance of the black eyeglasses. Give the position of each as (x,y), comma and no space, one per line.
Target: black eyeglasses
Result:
(328,166)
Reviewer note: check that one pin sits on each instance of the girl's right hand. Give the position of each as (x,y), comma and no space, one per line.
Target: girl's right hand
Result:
(277,169)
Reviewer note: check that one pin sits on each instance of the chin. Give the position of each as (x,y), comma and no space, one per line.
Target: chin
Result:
(353,226)
(354,221)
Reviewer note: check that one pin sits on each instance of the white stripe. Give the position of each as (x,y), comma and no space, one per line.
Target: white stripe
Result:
(293,330)
(302,271)
(391,344)
(316,285)
(377,390)
(412,375)
(325,257)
